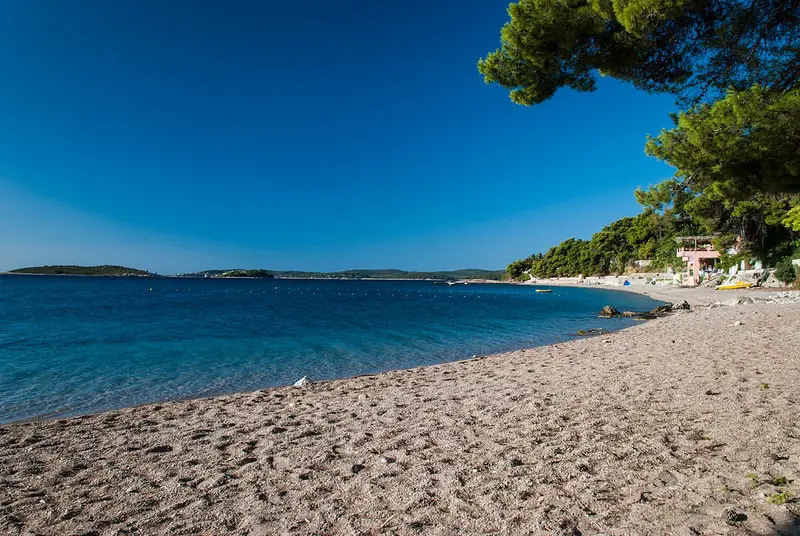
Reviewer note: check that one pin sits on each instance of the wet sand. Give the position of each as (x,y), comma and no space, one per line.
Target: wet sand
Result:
(682,425)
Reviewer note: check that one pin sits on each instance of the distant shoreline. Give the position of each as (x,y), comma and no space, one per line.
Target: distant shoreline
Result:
(276,278)
(669,293)
(470,275)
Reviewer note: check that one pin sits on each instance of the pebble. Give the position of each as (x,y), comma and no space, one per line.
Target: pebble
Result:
(302,382)
(357,468)
(734,518)
(159,449)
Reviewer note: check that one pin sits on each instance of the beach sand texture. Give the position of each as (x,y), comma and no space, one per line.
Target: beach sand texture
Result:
(675,426)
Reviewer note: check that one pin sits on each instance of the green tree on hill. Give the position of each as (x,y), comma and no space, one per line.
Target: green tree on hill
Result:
(739,157)
(735,149)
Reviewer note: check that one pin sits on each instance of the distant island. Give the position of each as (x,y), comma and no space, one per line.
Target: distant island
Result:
(470,273)
(103,270)
(110,270)
(255,274)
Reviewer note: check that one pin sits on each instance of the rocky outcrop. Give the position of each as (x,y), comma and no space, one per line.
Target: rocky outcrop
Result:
(609,311)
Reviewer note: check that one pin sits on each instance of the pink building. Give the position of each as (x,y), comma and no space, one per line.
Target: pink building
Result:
(698,254)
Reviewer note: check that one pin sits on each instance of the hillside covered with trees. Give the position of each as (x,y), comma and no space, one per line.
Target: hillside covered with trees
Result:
(649,235)
(255,274)
(733,66)
(104,270)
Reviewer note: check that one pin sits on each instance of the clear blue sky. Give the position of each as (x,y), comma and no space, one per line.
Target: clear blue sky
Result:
(316,135)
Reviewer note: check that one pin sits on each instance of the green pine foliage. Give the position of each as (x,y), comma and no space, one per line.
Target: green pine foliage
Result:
(735,65)
(785,271)
(738,159)
(695,49)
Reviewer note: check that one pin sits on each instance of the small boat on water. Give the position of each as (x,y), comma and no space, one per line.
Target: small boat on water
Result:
(735,286)
(544,290)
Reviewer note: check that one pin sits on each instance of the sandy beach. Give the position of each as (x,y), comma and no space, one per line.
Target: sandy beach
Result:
(696,296)
(683,425)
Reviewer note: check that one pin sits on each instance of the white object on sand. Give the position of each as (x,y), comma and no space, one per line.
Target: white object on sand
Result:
(302,381)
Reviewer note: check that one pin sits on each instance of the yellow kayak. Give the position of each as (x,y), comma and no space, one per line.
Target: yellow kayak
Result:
(735,286)
(543,290)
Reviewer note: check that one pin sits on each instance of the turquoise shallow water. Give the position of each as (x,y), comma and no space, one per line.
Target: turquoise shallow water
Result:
(74,345)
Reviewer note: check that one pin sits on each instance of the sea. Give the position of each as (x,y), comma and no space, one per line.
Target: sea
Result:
(77,345)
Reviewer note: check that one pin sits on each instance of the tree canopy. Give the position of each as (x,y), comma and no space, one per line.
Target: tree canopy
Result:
(692,48)
(736,148)
(740,160)
(745,143)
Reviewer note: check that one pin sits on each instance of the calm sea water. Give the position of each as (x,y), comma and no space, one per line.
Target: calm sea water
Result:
(73,345)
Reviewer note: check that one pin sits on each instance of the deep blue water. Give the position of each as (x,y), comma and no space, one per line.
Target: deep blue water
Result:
(75,345)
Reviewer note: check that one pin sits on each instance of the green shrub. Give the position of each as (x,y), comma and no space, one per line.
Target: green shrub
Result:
(779,498)
(785,271)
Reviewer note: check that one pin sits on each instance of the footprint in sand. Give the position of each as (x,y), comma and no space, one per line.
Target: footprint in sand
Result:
(159,449)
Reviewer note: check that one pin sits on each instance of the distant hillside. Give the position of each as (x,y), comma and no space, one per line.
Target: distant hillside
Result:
(356,274)
(258,274)
(81,270)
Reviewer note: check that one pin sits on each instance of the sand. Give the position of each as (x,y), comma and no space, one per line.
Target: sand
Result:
(676,426)
(670,293)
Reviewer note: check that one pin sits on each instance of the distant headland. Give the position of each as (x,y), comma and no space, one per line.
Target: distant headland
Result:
(111,270)
(104,270)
